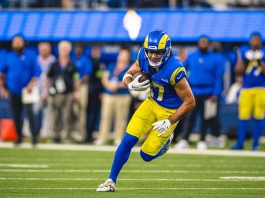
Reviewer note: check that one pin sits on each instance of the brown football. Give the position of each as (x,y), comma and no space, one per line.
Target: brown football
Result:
(144,77)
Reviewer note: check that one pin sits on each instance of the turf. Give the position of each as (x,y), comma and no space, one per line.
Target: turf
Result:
(54,173)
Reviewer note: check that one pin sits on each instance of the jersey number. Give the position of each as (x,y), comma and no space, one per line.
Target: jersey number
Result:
(160,91)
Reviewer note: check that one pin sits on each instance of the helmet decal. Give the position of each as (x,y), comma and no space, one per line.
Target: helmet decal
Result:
(163,41)
(146,42)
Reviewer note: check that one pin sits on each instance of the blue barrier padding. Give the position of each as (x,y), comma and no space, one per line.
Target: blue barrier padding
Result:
(185,26)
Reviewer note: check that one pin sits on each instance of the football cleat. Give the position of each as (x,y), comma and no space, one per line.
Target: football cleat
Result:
(168,144)
(107,186)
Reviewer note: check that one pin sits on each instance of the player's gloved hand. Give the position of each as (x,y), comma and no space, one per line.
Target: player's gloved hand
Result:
(135,85)
(161,126)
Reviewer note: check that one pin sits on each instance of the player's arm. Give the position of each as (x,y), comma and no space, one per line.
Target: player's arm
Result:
(135,68)
(184,92)
(134,84)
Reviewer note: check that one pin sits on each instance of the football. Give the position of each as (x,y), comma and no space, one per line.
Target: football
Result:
(144,77)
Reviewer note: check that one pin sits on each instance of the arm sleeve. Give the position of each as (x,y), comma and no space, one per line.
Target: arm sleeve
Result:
(177,75)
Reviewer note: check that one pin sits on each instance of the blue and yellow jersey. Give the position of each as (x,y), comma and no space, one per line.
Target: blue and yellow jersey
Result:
(253,76)
(164,80)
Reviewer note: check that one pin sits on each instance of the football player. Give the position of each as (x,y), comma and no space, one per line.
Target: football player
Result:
(169,100)
(251,65)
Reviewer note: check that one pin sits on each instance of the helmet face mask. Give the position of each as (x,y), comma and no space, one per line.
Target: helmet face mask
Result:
(154,60)
(155,43)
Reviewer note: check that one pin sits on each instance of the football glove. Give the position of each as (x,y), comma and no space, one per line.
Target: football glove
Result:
(135,85)
(161,126)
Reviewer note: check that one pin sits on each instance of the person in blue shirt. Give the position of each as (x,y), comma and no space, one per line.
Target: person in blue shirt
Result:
(251,106)
(216,140)
(205,75)
(84,69)
(169,100)
(20,70)
(116,99)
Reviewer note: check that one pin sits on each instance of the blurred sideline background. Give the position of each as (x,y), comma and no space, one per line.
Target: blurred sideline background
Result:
(109,24)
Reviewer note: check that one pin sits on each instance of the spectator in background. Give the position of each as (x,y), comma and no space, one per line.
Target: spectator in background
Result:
(84,69)
(217,50)
(19,70)
(115,100)
(100,59)
(182,54)
(62,76)
(205,75)
(94,93)
(67,4)
(45,59)
(251,65)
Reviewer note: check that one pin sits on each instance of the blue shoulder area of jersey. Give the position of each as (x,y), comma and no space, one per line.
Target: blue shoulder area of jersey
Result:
(173,68)
(164,80)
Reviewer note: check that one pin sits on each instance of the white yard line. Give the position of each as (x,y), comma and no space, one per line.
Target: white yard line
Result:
(222,179)
(49,146)
(240,178)
(180,188)
(24,165)
(99,179)
(91,171)
(127,171)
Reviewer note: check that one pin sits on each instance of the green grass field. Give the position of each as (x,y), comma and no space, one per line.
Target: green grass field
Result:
(55,173)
